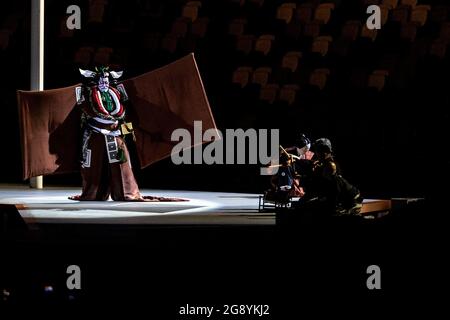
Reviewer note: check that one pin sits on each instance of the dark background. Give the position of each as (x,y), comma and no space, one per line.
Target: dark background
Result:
(389,142)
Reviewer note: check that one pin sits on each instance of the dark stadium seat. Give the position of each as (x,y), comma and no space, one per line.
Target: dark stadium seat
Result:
(377,79)
(269,93)
(241,76)
(290,60)
(169,43)
(83,56)
(322,14)
(312,29)
(401,14)
(319,78)
(285,12)
(263,43)
(439,13)
(261,76)
(409,31)
(190,10)
(237,27)
(391,4)
(244,43)
(288,93)
(438,48)
(180,27)
(368,33)
(419,14)
(200,27)
(321,45)
(96,10)
(102,56)
(350,30)
(304,13)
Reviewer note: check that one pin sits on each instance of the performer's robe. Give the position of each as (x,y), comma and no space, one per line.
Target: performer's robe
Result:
(160,101)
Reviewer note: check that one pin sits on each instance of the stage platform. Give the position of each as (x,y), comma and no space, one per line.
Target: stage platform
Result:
(51,205)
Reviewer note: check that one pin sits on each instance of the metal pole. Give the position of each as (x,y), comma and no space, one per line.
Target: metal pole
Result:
(37,60)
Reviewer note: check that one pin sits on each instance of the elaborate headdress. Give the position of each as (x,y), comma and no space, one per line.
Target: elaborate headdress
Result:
(102,72)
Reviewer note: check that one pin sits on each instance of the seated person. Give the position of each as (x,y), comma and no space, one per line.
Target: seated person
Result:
(325,188)
(302,156)
(284,184)
(302,148)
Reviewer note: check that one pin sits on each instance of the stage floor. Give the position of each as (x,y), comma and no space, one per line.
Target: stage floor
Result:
(51,205)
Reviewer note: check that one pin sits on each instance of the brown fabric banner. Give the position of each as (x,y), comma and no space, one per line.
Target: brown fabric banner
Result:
(163,100)
(160,101)
(50,131)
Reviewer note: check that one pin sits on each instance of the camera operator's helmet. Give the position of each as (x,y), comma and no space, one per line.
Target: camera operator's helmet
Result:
(322,145)
(303,142)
